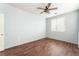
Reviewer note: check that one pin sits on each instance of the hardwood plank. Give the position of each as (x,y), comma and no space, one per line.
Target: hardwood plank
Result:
(43,47)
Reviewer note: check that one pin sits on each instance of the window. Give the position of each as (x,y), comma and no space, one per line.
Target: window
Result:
(58,24)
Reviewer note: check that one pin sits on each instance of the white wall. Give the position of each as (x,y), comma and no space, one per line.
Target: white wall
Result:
(22,27)
(70,35)
(1,8)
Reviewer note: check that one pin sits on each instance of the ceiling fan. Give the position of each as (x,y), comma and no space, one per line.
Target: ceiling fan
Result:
(47,8)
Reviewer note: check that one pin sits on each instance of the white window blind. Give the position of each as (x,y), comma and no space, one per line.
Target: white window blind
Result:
(58,24)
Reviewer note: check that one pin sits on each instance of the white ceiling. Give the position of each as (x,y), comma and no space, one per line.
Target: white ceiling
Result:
(32,8)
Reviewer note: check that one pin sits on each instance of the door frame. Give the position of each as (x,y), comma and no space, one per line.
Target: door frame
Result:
(2,33)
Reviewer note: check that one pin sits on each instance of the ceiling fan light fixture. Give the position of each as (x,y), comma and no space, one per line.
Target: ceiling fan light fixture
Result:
(47,8)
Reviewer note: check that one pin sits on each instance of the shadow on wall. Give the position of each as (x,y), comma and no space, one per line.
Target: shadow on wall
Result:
(78,26)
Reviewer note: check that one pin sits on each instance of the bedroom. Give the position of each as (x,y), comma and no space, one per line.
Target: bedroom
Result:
(24,31)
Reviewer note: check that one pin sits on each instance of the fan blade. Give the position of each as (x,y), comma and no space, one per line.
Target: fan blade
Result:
(48,12)
(49,4)
(39,8)
(52,8)
(41,12)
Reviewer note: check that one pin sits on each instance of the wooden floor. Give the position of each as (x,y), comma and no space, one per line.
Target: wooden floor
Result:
(43,47)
